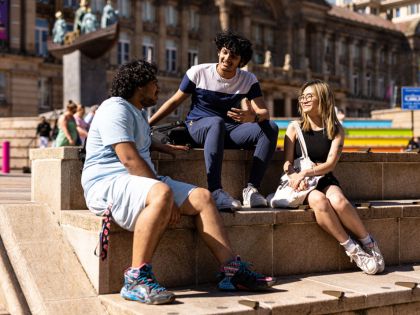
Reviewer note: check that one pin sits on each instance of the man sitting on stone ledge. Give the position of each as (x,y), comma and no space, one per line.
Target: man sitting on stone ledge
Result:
(119,177)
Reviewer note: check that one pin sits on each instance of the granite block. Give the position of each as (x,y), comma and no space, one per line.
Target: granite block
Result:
(297,249)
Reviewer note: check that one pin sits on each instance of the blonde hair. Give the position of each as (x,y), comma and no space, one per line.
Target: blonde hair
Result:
(326,107)
(71,106)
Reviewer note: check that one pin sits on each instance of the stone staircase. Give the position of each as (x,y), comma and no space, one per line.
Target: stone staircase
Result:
(21,133)
(278,242)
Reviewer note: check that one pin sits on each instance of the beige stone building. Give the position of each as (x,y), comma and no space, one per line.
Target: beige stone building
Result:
(363,56)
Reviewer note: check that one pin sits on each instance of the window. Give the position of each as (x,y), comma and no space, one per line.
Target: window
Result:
(397,12)
(42,1)
(258,58)
(342,48)
(124,8)
(413,9)
(123,49)
(70,4)
(382,57)
(96,5)
(41,35)
(369,53)
(148,12)
(356,52)
(380,88)
(256,30)
(171,15)
(268,36)
(170,56)
(148,48)
(2,88)
(355,84)
(194,20)
(368,85)
(44,94)
(192,57)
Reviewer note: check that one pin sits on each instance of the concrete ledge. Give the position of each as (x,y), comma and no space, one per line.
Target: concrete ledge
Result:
(363,294)
(366,176)
(275,241)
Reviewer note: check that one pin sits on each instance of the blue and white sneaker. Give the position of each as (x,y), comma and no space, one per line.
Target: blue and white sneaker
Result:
(236,275)
(141,285)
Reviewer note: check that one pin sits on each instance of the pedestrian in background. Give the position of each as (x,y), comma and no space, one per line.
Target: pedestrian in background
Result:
(43,130)
(67,128)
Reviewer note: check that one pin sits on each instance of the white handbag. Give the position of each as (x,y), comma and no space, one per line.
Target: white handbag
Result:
(285,196)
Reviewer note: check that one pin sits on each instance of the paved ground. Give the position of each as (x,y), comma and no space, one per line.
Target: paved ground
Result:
(15,188)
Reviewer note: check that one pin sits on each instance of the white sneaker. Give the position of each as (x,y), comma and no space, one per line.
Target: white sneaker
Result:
(225,201)
(363,260)
(252,198)
(373,250)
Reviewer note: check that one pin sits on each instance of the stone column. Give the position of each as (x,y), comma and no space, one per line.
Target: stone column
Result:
(363,66)
(269,102)
(350,68)
(337,56)
(185,27)
(161,44)
(246,24)
(84,79)
(301,48)
(376,72)
(224,11)
(287,105)
(15,25)
(30,15)
(318,54)
(137,49)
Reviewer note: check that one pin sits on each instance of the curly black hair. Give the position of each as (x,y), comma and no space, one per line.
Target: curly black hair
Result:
(131,76)
(236,43)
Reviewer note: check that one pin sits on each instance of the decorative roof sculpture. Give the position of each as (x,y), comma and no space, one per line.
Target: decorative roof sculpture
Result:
(86,37)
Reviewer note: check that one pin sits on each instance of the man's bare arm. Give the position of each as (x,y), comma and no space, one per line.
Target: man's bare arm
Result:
(132,161)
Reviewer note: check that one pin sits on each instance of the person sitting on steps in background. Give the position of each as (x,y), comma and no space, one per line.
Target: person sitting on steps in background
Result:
(119,176)
(324,138)
(217,121)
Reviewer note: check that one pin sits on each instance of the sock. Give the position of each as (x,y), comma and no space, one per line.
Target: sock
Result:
(349,245)
(366,241)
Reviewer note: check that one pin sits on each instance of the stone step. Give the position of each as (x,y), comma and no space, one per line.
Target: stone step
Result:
(49,274)
(17,152)
(18,163)
(363,294)
(362,175)
(18,133)
(30,142)
(277,242)
(19,122)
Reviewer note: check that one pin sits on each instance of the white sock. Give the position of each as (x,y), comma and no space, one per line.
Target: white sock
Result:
(349,245)
(366,241)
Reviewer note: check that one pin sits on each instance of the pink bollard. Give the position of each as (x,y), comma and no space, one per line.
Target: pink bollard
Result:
(6,157)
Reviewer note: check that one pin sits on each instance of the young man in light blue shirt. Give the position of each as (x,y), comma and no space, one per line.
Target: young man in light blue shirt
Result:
(119,177)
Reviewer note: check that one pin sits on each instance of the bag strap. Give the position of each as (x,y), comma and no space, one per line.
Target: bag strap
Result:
(101,249)
(301,139)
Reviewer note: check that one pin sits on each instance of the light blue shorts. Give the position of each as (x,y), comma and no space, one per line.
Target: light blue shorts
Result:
(127,196)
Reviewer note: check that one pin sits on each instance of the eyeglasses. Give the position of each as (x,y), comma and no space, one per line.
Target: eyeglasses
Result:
(305,98)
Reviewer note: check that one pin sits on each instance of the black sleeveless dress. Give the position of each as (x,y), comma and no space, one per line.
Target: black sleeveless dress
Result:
(318,146)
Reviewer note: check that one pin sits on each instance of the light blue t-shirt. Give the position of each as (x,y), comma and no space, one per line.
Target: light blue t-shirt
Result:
(115,121)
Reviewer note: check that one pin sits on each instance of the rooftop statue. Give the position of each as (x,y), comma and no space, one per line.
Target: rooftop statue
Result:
(87,37)
(60,29)
(79,14)
(109,15)
(89,22)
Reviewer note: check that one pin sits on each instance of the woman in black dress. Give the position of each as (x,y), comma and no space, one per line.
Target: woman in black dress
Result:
(324,137)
